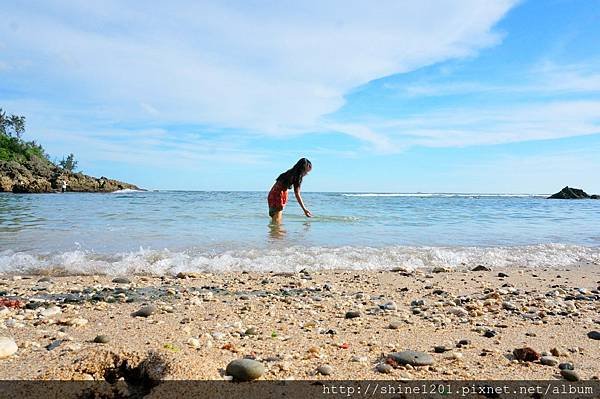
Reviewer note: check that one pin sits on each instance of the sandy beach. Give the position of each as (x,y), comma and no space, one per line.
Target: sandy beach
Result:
(338,325)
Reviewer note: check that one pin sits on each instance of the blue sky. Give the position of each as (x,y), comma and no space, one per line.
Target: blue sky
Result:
(433,96)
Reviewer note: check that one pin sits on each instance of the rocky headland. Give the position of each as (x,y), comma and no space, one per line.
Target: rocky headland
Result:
(572,193)
(38,176)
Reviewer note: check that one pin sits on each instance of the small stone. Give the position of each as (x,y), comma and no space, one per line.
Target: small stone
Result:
(251,331)
(440,269)
(145,311)
(359,359)
(414,358)
(51,311)
(121,280)
(389,306)
(352,314)
(566,366)
(458,311)
(440,349)
(45,280)
(548,361)
(481,268)
(558,352)
(194,343)
(245,369)
(325,369)
(395,325)
(502,275)
(570,375)
(526,354)
(384,368)
(463,342)
(8,347)
(594,335)
(54,344)
(102,339)
(490,333)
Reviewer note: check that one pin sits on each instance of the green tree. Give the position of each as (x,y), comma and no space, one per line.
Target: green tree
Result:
(68,163)
(11,125)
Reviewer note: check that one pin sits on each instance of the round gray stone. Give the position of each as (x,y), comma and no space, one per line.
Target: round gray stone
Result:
(570,375)
(145,311)
(549,360)
(414,358)
(325,369)
(121,280)
(384,368)
(245,369)
(594,335)
(352,314)
(102,339)
(566,366)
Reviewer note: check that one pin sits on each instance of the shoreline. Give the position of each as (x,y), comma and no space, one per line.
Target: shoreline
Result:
(294,324)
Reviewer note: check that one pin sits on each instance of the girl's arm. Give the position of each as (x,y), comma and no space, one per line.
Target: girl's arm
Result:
(299,199)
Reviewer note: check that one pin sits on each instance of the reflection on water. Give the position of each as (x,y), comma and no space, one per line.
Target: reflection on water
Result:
(276,231)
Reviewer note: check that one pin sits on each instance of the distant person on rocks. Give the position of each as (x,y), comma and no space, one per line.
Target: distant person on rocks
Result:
(278,195)
(64,186)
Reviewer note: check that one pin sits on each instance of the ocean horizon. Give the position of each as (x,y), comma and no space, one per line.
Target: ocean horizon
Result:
(167,231)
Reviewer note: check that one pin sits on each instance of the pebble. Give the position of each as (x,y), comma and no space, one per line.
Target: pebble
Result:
(414,358)
(440,349)
(463,342)
(8,347)
(251,331)
(121,280)
(395,325)
(481,268)
(502,274)
(360,359)
(526,354)
(570,375)
(145,311)
(352,314)
(194,343)
(458,311)
(490,333)
(389,306)
(594,335)
(44,280)
(51,311)
(384,368)
(566,366)
(548,361)
(325,369)
(102,339)
(245,369)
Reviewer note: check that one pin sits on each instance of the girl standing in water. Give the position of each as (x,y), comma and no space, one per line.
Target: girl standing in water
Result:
(278,195)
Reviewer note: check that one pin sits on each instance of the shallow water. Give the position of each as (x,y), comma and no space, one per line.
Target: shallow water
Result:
(166,232)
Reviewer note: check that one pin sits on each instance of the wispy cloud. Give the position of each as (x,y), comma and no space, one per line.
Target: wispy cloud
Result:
(276,68)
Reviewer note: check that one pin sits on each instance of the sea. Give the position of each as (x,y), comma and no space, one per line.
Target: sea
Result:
(167,232)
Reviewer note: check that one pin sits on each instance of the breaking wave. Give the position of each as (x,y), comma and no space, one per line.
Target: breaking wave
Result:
(160,262)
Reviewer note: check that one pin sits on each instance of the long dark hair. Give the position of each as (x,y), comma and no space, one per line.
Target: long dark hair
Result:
(293,176)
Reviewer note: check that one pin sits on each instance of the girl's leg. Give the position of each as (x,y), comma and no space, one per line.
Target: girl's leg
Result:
(276,217)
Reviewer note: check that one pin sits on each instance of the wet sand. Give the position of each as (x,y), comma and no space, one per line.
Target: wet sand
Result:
(295,323)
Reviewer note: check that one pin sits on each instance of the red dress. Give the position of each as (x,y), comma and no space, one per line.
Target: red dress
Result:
(277,198)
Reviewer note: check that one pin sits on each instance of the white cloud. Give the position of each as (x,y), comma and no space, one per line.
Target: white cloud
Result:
(274,67)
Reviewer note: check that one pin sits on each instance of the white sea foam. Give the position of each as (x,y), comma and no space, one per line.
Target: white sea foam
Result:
(127,190)
(297,258)
(443,195)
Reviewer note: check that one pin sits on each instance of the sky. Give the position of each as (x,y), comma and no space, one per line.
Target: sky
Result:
(480,96)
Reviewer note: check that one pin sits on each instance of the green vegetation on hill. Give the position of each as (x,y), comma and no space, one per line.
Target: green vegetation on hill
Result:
(12,146)
(26,168)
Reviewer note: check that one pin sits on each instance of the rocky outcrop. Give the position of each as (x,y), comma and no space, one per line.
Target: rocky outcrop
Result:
(40,176)
(572,193)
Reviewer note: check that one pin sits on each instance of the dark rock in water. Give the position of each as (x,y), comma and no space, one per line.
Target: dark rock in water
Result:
(594,335)
(121,280)
(413,358)
(481,268)
(566,366)
(526,354)
(145,311)
(352,314)
(570,375)
(245,369)
(595,196)
(570,193)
